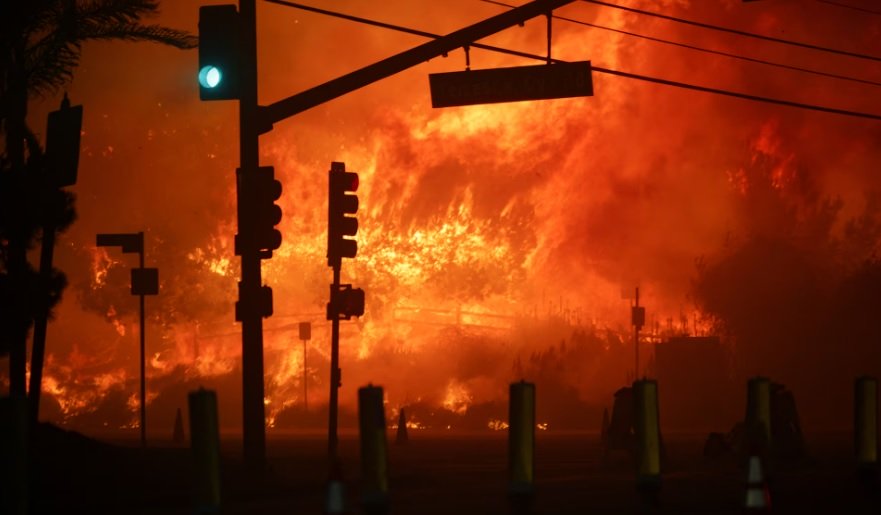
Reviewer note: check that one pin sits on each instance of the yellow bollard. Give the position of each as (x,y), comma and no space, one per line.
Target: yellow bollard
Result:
(374,457)
(648,435)
(205,443)
(758,415)
(521,443)
(866,422)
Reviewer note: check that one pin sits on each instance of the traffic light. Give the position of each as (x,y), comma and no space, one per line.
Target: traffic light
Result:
(340,204)
(219,52)
(259,214)
(345,302)
(261,301)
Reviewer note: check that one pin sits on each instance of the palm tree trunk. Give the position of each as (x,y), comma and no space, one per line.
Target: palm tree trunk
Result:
(17,268)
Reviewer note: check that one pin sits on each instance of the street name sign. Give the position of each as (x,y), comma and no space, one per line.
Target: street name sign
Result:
(520,83)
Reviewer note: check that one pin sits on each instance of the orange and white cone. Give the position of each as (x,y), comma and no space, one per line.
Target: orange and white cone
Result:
(758,498)
(335,500)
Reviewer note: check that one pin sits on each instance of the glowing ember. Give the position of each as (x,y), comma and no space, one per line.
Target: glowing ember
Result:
(497,425)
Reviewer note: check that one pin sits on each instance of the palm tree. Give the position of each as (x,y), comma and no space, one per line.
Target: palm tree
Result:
(40,47)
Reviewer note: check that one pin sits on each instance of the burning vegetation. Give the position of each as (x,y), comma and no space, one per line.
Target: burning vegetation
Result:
(495,241)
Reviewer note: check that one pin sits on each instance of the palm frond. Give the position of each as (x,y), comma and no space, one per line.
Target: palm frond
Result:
(53,54)
(137,32)
(117,11)
(51,65)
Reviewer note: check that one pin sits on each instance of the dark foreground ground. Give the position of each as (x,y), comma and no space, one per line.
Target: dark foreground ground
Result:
(438,474)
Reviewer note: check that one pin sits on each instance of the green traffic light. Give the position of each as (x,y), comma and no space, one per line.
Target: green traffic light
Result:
(210,77)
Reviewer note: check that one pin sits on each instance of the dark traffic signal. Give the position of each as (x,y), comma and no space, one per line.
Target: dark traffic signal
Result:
(260,301)
(341,203)
(219,52)
(345,302)
(258,212)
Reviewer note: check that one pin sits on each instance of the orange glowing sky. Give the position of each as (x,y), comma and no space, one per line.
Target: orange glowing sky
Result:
(511,210)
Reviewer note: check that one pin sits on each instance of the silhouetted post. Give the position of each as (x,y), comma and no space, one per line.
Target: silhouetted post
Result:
(637,316)
(521,445)
(648,438)
(14,451)
(335,376)
(143,359)
(178,436)
(16,105)
(144,281)
(345,301)
(205,444)
(866,426)
(305,336)
(401,437)
(250,313)
(374,453)
(758,416)
(62,160)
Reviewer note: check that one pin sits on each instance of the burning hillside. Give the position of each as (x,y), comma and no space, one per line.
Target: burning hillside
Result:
(494,242)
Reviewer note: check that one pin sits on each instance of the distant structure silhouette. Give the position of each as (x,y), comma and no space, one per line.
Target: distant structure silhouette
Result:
(178,437)
(401,438)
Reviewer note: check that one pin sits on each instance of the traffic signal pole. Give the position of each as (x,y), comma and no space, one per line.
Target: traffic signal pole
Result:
(397,63)
(253,411)
(143,357)
(335,375)
(255,120)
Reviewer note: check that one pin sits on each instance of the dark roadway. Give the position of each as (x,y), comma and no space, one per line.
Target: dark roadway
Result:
(438,473)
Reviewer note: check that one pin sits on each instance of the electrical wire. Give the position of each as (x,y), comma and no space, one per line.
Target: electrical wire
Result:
(705,50)
(635,76)
(849,6)
(736,31)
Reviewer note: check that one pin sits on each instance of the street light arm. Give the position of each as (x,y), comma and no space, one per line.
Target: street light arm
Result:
(340,86)
(130,242)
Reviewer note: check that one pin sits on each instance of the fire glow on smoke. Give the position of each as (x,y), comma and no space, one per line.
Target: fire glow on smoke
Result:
(489,235)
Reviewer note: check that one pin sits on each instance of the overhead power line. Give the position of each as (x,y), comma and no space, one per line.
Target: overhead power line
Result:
(645,78)
(849,6)
(736,31)
(705,50)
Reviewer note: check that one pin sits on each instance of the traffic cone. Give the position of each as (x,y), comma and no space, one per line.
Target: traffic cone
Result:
(178,436)
(758,498)
(401,437)
(335,500)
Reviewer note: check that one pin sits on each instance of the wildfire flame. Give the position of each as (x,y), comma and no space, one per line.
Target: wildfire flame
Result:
(487,234)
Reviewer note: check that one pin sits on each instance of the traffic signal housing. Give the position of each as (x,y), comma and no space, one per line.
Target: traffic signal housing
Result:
(259,214)
(219,52)
(345,302)
(340,204)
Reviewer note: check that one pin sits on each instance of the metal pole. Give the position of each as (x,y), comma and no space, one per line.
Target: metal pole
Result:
(143,360)
(636,341)
(305,391)
(253,409)
(42,319)
(332,440)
